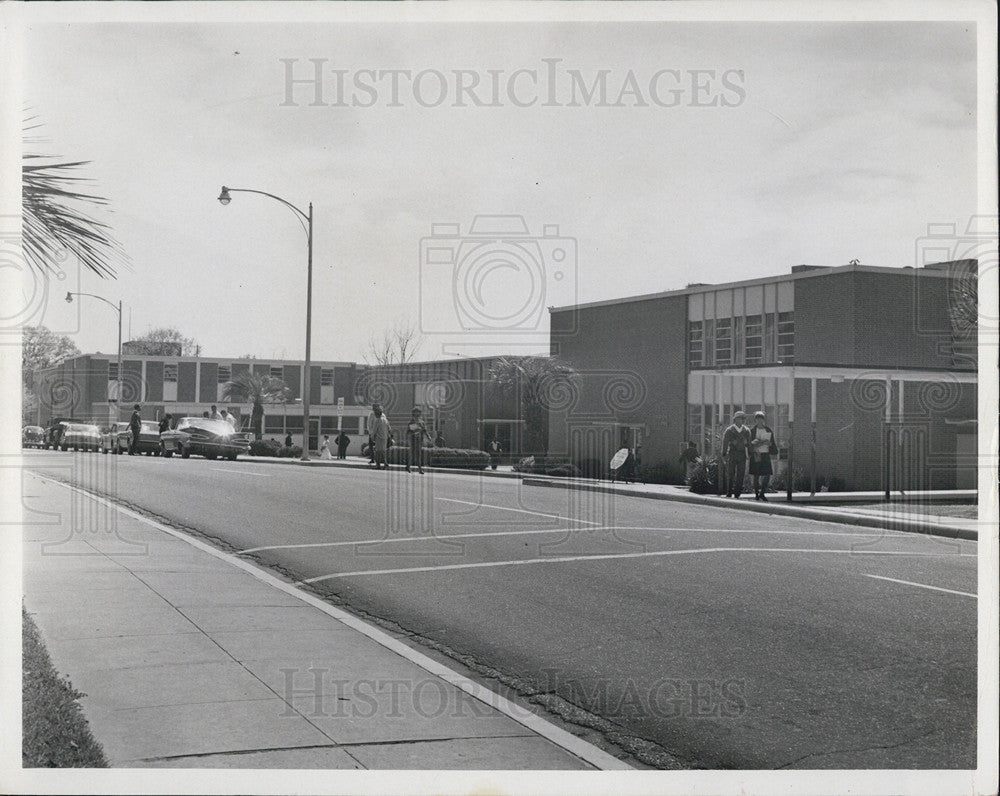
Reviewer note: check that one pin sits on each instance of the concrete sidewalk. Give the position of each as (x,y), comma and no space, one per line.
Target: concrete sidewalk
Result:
(192,658)
(803,505)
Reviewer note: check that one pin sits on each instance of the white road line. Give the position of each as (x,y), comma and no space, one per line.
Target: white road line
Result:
(241,472)
(537,724)
(519,511)
(607,556)
(433,538)
(922,585)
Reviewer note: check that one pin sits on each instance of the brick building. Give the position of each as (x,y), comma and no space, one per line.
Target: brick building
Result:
(456,395)
(868,359)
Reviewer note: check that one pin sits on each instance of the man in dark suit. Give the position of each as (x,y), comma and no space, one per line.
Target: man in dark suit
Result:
(735,444)
(134,426)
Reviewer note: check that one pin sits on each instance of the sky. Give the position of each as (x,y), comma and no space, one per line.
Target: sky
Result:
(723,151)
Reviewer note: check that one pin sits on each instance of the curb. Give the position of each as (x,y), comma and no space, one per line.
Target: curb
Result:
(363,465)
(843,518)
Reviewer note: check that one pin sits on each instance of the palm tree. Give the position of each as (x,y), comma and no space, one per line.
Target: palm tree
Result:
(543,383)
(52,224)
(258,389)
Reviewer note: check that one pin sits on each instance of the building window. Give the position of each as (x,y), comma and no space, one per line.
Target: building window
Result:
(277,372)
(225,374)
(738,341)
(708,347)
(786,337)
(694,344)
(754,340)
(723,341)
(769,347)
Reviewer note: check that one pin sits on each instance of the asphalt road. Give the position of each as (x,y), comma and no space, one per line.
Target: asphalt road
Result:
(728,639)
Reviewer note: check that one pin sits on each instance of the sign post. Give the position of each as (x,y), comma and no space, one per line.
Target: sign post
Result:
(340,413)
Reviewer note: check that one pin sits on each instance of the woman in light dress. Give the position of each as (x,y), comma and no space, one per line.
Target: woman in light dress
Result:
(324,449)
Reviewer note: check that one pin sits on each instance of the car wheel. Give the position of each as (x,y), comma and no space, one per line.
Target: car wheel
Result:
(185,453)
(164,452)
(231,457)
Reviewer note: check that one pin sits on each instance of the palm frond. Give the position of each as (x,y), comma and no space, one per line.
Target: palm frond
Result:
(53,226)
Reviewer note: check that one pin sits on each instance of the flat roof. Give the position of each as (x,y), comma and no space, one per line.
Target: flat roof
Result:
(807,272)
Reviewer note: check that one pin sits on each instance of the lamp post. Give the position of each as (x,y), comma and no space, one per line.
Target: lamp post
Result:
(225,199)
(117,308)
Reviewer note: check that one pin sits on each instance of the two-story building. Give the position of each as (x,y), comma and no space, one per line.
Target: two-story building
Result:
(863,365)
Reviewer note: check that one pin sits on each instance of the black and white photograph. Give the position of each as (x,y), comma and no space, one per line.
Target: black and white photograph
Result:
(515,397)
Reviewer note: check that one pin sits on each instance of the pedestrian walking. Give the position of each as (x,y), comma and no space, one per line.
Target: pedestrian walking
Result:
(134,426)
(762,447)
(342,441)
(324,448)
(494,449)
(735,443)
(416,430)
(381,435)
(372,418)
(687,460)
(288,441)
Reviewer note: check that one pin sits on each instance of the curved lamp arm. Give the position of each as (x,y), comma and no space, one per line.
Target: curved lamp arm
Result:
(225,199)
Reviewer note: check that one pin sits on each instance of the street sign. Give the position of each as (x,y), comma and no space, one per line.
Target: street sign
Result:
(340,412)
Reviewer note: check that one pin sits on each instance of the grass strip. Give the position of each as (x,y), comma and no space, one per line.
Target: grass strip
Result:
(55,733)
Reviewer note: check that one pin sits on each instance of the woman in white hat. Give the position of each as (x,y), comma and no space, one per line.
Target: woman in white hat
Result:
(762,448)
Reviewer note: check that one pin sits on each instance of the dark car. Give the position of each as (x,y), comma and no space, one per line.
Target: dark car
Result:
(54,433)
(204,437)
(32,437)
(149,438)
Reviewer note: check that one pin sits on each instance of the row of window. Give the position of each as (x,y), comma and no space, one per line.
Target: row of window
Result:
(225,373)
(750,340)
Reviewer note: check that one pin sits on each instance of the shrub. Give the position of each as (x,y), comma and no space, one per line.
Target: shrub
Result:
(293,452)
(801,481)
(458,458)
(524,465)
(705,476)
(265,447)
(837,484)
(661,473)
(564,471)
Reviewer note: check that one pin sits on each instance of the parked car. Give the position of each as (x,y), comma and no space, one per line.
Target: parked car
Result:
(32,437)
(54,432)
(205,437)
(80,436)
(115,438)
(149,438)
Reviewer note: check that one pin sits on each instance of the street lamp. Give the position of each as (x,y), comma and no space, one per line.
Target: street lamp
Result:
(117,308)
(225,199)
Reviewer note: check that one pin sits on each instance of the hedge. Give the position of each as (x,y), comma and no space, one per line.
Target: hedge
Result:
(460,458)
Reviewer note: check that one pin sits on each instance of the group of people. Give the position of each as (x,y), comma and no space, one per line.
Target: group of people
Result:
(741,442)
(342,441)
(380,438)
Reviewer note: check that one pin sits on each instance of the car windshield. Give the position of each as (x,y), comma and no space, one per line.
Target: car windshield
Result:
(219,427)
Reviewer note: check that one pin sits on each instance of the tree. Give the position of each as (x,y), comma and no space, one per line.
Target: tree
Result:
(543,383)
(53,223)
(397,346)
(156,337)
(256,389)
(43,348)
